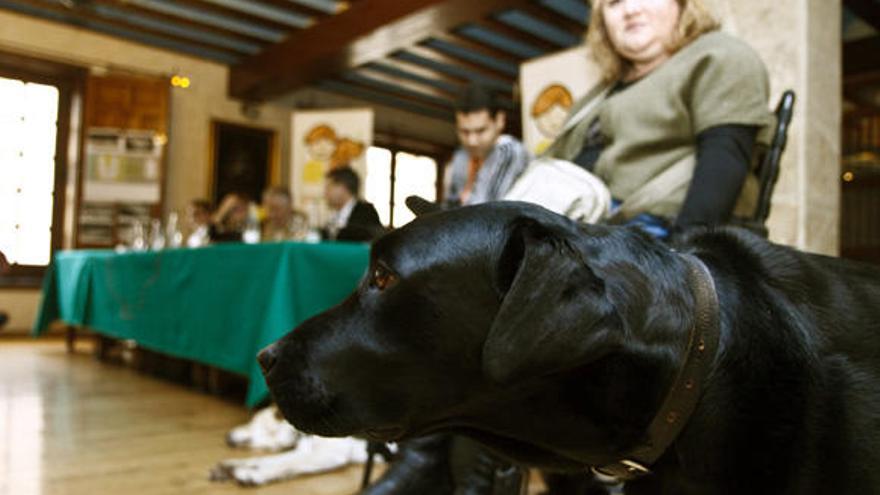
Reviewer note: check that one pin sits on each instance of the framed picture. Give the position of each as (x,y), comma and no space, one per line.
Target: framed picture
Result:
(323,140)
(242,158)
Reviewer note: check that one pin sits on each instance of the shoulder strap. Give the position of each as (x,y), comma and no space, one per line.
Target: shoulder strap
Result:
(568,141)
(656,189)
(592,100)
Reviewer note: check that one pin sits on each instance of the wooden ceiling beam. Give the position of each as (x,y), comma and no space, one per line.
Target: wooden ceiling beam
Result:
(511,32)
(366,32)
(302,9)
(406,84)
(172,19)
(267,21)
(398,92)
(443,58)
(372,95)
(423,72)
(552,17)
(85,16)
(422,88)
(478,47)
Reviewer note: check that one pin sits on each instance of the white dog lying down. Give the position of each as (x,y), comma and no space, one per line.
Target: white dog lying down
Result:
(300,453)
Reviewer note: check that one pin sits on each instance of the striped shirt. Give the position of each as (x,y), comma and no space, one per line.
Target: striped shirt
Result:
(499,171)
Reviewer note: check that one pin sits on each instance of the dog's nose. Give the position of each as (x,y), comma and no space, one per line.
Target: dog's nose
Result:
(268,357)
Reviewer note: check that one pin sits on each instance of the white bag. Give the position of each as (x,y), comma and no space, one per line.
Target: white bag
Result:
(564,188)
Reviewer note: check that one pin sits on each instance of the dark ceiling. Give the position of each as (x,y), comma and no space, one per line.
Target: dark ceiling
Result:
(411,54)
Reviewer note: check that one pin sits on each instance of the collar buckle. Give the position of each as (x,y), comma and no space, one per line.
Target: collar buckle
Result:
(623,470)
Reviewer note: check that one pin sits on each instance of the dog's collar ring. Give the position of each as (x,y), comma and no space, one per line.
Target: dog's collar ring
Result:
(625,469)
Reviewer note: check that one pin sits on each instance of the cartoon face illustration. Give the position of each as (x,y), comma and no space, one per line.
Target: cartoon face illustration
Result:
(550,110)
(321,143)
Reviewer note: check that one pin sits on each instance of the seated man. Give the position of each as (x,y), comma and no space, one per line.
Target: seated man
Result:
(488,161)
(354,219)
(281,220)
(229,221)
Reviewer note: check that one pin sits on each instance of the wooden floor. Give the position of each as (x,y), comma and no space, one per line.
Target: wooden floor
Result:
(71,425)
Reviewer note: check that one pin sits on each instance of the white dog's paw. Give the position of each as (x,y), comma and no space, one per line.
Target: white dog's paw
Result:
(247,472)
(258,471)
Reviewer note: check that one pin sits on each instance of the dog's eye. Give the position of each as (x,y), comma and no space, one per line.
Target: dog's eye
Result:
(381,278)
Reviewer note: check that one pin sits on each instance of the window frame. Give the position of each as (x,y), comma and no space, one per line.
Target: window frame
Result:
(70,82)
(395,144)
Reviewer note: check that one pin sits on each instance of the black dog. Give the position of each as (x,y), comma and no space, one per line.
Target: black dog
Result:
(556,343)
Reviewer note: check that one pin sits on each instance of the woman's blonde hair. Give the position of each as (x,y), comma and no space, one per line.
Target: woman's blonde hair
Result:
(694,20)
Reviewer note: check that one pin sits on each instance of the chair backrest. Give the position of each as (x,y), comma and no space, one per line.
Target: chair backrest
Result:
(768,171)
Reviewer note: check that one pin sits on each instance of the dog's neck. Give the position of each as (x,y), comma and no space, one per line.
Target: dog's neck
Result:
(681,399)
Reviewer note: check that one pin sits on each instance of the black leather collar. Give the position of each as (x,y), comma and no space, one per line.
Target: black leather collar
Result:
(682,398)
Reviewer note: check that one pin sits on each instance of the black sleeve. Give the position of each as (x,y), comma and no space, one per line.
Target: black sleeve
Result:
(723,156)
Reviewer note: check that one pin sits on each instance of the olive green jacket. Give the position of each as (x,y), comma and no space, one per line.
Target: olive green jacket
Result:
(650,127)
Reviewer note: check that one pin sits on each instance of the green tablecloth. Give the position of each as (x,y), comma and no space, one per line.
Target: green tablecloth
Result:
(217,305)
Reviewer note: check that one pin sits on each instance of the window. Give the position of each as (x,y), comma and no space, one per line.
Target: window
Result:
(40,113)
(29,126)
(413,175)
(391,177)
(377,186)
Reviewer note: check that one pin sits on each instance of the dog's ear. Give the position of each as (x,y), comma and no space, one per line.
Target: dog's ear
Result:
(421,206)
(554,314)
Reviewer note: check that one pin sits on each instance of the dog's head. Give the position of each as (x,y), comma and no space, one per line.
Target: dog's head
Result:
(488,320)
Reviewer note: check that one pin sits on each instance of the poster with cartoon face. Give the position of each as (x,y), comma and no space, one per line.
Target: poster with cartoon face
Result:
(324,140)
(551,85)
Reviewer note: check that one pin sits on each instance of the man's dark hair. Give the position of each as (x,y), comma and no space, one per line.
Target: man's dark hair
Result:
(347,177)
(475,98)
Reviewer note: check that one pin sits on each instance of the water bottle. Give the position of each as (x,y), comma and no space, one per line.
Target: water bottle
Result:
(138,237)
(251,234)
(173,236)
(157,238)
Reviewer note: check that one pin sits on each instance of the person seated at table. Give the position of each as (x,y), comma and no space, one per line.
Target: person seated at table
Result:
(198,220)
(354,219)
(488,161)
(229,221)
(281,221)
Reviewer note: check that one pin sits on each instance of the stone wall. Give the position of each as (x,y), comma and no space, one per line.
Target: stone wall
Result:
(800,41)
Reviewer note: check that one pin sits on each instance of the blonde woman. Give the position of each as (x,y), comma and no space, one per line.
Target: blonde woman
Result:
(672,127)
